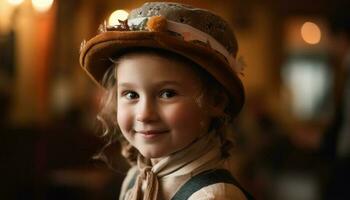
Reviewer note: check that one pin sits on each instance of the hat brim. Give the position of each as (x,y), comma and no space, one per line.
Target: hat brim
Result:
(96,55)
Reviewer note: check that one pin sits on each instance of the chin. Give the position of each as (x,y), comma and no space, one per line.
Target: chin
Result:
(153,154)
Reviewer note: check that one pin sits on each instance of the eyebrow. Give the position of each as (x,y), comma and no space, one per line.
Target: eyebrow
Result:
(125,84)
(168,83)
(160,83)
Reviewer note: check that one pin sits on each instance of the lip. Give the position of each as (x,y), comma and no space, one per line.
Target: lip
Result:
(152,133)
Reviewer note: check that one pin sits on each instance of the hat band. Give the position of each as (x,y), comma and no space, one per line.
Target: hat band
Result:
(190,33)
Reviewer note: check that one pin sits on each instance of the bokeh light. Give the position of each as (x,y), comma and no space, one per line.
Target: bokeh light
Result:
(15,2)
(117,15)
(42,5)
(311,33)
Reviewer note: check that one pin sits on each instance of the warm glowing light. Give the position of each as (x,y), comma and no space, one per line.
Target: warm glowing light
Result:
(311,33)
(15,2)
(117,15)
(42,5)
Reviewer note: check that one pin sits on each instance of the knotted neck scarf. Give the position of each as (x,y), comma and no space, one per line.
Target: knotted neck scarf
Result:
(146,185)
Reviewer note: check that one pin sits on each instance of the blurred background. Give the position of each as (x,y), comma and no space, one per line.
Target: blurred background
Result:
(292,136)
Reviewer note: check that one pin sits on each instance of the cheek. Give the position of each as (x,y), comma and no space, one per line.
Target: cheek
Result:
(185,115)
(123,118)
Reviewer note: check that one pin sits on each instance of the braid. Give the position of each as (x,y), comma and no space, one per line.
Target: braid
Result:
(221,127)
(129,152)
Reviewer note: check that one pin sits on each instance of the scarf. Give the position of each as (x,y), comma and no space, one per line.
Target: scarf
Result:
(146,186)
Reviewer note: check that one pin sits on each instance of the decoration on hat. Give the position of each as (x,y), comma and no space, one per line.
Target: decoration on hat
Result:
(186,32)
(157,24)
(122,26)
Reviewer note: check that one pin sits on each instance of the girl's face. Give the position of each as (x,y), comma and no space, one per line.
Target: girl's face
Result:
(158,108)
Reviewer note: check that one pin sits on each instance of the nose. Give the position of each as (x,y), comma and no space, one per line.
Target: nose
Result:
(147,111)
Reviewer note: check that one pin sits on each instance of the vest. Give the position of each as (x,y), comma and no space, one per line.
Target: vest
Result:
(202,180)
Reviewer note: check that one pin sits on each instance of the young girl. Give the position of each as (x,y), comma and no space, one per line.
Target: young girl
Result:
(172,91)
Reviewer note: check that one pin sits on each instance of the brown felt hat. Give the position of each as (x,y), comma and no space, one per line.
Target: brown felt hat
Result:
(197,34)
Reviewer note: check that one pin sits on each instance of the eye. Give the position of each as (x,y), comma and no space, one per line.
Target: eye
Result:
(130,95)
(167,93)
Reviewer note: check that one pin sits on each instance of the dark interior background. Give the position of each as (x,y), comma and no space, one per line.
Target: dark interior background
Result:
(285,135)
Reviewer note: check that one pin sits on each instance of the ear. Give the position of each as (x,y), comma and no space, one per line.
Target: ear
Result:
(217,104)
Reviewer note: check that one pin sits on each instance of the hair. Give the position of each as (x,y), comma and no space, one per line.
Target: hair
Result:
(108,112)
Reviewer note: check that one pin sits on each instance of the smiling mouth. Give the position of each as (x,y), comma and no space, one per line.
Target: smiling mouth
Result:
(152,132)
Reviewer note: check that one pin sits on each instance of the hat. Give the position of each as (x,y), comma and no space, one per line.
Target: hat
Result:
(196,34)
